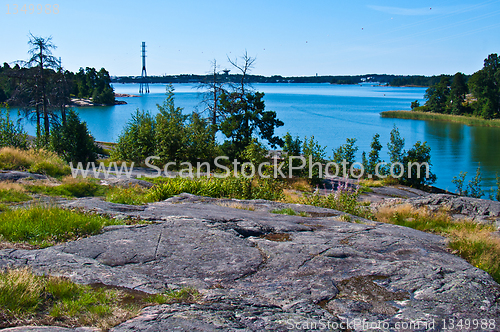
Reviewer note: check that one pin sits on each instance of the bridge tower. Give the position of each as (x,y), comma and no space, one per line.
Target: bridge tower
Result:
(144,87)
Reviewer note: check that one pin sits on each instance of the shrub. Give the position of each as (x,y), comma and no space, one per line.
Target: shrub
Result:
(73,141)
(417,177)
(10,134)
(137,141)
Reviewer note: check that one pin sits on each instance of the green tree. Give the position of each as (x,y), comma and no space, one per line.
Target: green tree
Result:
(200,144)
(346,152)
(437,95)
(137,141)
(11,134)
(73,140)
(396,146)
(245,116)
(41,57)
(474,186)
(374,156)
(458,92)
(171,135)
(485,87)
(417,176)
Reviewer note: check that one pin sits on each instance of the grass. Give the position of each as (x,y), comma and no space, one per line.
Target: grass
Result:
(472,241)
(467,120)
(235,205)
(230,187)
(291,212)
(11,192)
(26,298)
(134,195)
(345,201)
(34,161)
(45,226)
(71,187)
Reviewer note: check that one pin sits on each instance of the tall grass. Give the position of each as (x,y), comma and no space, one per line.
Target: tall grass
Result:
(44,226)
(28,299)
(34,161)
(71,187)
(230,187)
(472,241)
(415,115)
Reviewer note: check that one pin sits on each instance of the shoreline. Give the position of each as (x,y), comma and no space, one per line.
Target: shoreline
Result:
(466,120)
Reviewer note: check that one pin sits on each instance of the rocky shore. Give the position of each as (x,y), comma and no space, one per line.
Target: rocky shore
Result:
(263,271)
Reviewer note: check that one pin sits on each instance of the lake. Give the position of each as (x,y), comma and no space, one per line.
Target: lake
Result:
(333,113)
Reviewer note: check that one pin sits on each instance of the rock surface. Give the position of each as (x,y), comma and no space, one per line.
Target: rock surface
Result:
(262,271)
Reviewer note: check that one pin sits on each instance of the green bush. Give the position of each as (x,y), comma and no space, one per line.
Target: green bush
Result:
(10,134)
(73,141)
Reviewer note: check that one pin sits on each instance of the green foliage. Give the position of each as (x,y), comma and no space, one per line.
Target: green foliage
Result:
(418,176)
(485,87)
(498,188)
(13,196)
(374,156)
(89,83)
(229,187)
(458,93)
(474,186)
(10,134)
(346,152)
(310,151)
(44,226)
(437,96)
(415,104)
(170,135)
(459,183)
(396,145)
(244,116)
(137,141)
(73,141)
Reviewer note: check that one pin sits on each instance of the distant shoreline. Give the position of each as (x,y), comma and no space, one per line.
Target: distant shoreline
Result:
(467,120)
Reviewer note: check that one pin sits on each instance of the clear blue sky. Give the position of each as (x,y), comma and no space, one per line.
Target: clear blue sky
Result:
(289,37)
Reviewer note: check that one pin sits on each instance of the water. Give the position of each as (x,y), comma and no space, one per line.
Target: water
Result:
(333,113)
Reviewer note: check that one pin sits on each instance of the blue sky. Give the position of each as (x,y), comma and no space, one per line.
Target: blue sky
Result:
(287,37)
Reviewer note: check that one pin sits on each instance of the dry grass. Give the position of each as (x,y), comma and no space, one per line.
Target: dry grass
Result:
(8,185)
(371,183)
(299,184)
(473,241)
(291,196)
(34,161)
(235,205)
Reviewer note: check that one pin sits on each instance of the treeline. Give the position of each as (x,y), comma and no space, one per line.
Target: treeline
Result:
(87,83)
(477,95)
(393,80)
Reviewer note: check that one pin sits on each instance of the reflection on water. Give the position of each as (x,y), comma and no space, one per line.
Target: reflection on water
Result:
(332,113)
